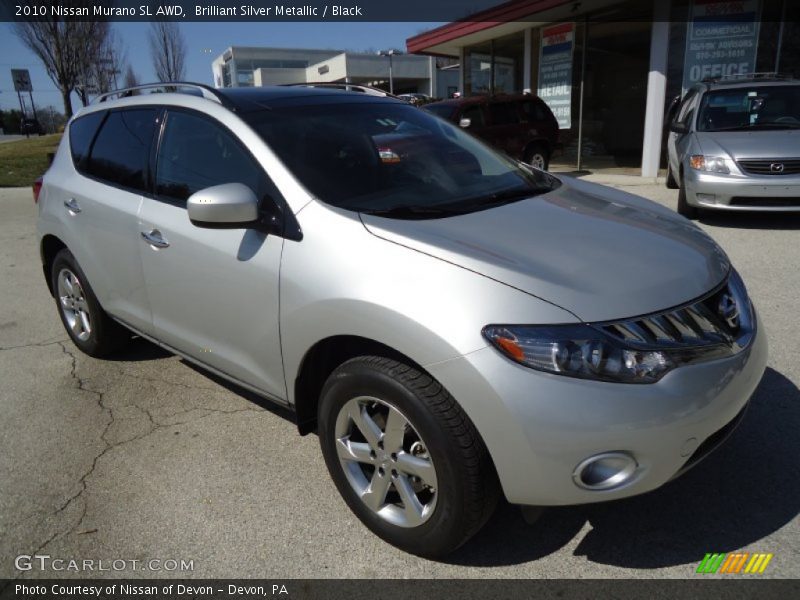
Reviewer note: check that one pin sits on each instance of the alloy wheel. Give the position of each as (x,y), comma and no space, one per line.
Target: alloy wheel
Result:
(73,304)
(386,461)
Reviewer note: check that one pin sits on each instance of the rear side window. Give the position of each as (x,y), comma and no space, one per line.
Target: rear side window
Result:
(121,152)
(81,134)
(533,112)
(445,111)
(196,153)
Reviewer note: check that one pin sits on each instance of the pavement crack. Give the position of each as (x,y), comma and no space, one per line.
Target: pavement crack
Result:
(44,344)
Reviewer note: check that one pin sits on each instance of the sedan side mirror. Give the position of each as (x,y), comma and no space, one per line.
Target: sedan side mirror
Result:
(676,127)
(465,123)
(230,205)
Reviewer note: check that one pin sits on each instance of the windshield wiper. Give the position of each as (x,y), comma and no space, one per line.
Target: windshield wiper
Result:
(412,211)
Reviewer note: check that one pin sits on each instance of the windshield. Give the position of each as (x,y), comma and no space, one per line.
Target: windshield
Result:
(392,159)
(768,107)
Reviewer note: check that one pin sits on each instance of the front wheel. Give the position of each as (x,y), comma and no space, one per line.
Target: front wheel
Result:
(538,157)
(404,456)
(684,208)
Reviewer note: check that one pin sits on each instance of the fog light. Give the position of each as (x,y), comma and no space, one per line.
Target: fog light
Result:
(604,471)
(710,198)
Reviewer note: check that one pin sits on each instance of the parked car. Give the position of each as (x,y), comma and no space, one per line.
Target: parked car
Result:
(415,98)
(734,144)
(521,125)
(454,325)
(30,126)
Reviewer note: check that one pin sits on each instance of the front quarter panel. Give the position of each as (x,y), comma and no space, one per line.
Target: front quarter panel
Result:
(342,280)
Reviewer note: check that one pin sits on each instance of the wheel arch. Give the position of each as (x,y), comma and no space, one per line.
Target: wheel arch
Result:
(321,360)
(48,248)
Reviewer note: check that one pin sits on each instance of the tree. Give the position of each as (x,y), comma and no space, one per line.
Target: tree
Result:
(67,49)
(168,50)
(131,80)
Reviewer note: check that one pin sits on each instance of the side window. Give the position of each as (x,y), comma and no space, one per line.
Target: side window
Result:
(503,113)
(121,151)
(196,153)
(532,111)
(81,134)
(474,114)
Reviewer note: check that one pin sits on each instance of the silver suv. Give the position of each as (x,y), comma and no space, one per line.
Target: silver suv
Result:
(734,144)
(455,325)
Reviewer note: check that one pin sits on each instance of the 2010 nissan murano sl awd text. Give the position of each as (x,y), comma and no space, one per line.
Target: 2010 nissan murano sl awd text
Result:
(453,324)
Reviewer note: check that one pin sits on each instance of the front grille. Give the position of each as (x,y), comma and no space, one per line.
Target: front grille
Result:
(765,202)
(697,324)
(771,166)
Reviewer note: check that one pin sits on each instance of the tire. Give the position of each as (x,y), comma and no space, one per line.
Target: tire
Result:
(684,208)
(86,323)
(671,183)
(440,458)
(538,157)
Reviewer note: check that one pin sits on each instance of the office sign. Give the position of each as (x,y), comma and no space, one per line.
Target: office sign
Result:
(555,71)
(22,80)
(721,39)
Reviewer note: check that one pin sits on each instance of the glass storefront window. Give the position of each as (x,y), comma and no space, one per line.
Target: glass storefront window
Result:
(495,67)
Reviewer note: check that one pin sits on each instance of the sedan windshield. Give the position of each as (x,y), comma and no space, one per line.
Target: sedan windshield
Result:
(768,107)
(393,159)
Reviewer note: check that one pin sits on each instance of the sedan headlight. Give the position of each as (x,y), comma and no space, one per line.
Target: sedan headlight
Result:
(713,164)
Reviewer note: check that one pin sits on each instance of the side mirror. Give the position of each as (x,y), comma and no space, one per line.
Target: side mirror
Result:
(230,205)
(676,127)
(465,123)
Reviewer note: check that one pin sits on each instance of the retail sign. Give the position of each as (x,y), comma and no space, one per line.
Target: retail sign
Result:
(721,39)
(555,71)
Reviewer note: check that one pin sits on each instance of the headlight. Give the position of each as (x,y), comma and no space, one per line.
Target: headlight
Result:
(579,351)
(713,164)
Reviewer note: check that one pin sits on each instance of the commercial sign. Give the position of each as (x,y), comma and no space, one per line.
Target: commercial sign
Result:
(555,71)
(22,80)
(721,39)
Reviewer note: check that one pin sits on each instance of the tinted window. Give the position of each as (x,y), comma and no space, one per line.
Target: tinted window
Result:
(387,156)
(81,134)
(765,107)
(504,113)
(444,111)
(533,112)
(121,151)
(196,153)
(475,115)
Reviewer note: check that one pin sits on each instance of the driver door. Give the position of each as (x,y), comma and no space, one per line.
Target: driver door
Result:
(213,292)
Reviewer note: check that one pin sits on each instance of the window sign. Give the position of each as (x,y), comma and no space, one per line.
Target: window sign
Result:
(721,39)
(555,71)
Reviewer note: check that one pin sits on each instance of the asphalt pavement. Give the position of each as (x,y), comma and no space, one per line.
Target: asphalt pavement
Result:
(145,457)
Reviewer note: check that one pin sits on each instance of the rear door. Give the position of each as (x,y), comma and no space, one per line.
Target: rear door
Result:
(101,200)
(213,292)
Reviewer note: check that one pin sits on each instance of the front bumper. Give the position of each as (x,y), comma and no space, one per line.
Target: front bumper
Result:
(538,427)
(778,193)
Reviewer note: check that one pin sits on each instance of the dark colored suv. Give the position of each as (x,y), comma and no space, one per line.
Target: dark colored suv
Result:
(520,125)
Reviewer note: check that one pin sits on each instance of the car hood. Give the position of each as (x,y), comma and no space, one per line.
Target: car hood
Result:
(597,252)
(751,144)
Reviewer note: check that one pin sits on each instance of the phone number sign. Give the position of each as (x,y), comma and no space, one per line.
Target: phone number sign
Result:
(721,39)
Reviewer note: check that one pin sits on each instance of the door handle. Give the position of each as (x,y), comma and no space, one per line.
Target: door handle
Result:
(72,206)
(154,238)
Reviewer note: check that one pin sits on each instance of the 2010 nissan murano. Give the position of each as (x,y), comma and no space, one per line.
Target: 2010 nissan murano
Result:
(453,324)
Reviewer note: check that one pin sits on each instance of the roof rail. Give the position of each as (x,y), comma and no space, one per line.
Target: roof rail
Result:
(206,91)
(341,85)
(748,77)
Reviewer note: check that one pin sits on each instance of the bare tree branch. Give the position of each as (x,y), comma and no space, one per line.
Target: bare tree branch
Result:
(168,50)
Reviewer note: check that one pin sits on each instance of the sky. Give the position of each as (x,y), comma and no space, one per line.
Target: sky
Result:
(205,42)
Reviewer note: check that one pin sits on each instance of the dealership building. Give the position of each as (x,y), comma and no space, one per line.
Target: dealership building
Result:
(241,66)
(608,68)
